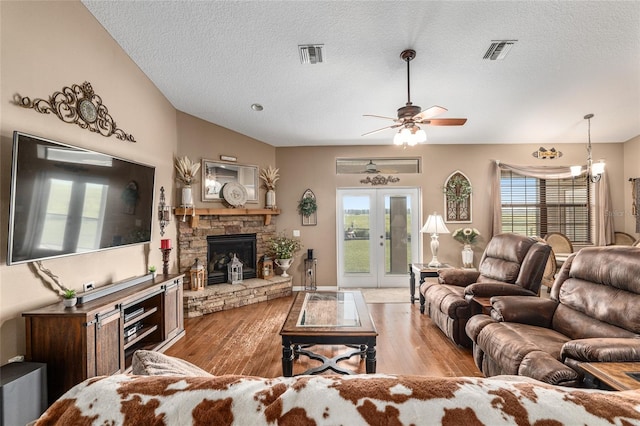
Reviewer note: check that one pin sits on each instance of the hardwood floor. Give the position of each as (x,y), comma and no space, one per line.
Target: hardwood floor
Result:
(246,341)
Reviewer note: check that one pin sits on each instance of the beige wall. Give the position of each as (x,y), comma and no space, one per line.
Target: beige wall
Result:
(314,168)
(46,46)
(199,139)
(631,170)
(51,44)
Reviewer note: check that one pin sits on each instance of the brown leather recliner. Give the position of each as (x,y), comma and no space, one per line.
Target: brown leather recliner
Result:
(592,315)
(511,264)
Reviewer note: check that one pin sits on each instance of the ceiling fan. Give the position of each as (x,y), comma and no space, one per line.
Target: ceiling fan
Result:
(409,116)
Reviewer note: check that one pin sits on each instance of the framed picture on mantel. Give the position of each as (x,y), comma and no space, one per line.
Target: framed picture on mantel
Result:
(215,174)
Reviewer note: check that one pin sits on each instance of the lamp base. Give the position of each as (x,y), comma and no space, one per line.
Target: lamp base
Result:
(435,263)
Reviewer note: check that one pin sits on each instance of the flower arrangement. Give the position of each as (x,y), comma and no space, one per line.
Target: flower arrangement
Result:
(466,235)
(270,177)
(283,247)
(186,170)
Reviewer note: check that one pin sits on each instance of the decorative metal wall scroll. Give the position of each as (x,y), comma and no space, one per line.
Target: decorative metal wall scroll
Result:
(457,198)
(380,180)
(543,153)
(79,105)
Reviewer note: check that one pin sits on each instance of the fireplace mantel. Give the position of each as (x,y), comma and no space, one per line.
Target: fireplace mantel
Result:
(194,216)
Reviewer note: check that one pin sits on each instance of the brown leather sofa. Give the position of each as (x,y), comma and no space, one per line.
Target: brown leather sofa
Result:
(593,315)
(511,264)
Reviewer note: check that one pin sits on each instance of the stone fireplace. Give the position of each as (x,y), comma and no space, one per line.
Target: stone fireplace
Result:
(193,242)
(220,252)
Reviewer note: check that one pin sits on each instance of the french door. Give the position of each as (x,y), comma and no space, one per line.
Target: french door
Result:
(378,236)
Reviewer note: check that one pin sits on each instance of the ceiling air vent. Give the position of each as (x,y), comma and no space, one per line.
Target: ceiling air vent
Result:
(311,53)
(498,49)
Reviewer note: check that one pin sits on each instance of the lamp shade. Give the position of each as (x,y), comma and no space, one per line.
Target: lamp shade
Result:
(597,168)
(576,170)
(435,225)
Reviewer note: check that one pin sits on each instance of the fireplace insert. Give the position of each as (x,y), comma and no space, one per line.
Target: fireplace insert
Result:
(220,251)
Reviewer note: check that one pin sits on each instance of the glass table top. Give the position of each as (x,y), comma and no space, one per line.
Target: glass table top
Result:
(329,310)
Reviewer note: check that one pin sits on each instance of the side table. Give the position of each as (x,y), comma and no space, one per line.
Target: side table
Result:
(481,305)
(618,376)
(423,271)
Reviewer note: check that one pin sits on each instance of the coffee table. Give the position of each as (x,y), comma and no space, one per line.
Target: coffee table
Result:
(613,375)
(328,318)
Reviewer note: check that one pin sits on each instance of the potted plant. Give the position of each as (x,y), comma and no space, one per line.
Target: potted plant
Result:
(307,206)
(69,298)
(466,236)
(153,271)
(282,248)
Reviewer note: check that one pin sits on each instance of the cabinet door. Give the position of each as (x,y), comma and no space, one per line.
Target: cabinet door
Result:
(173,315)
(109,352)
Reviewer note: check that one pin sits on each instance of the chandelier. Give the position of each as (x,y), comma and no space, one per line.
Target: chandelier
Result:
(594,170)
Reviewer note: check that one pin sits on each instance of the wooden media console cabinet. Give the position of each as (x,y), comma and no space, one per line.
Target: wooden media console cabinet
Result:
(98,336)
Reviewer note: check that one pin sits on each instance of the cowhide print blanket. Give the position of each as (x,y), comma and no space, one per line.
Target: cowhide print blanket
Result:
(336,400)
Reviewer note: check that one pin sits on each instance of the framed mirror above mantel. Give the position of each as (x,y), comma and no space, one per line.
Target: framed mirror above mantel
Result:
(193,215)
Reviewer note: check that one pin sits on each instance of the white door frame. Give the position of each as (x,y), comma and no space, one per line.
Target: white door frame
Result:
(376,275)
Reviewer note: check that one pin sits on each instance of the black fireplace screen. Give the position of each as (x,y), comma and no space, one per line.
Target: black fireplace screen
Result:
(220,251)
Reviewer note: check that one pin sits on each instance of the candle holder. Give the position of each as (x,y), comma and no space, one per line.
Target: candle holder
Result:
(165,260)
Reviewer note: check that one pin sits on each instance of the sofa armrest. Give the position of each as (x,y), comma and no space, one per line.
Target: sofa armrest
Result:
(602,349)
(525,310)
(458,277)
(495,289)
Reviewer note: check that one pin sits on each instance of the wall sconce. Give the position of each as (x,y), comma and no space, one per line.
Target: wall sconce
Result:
(594,170)
(164,212)
(434,226)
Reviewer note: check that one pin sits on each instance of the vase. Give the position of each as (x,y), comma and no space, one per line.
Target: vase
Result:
(467,256)
(68,303)
(284,264)
(271,199)
(187,196)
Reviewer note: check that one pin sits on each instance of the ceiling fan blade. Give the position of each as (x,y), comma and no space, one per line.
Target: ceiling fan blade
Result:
(379,116)
(430,112)
(445,122)
(384,128)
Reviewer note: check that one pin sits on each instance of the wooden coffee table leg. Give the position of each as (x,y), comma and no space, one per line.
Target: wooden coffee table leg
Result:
(371,358)
(287,360)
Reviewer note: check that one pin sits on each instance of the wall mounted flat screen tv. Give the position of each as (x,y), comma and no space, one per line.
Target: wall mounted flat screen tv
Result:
(67,200)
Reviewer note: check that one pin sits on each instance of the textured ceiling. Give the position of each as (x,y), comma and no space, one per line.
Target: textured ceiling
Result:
(213,59)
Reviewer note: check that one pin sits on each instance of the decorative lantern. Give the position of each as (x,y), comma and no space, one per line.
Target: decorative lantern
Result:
(234,271)
(265,267)
(197,276)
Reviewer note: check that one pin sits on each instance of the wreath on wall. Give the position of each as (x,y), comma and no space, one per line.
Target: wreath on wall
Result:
(458,189)
(307,206)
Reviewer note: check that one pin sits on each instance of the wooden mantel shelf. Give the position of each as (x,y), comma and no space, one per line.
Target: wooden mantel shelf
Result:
(194,217)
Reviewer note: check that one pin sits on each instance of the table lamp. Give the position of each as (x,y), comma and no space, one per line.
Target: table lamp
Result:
(434,226)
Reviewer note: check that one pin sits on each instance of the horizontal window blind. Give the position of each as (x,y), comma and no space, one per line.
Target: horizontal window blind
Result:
(532,206)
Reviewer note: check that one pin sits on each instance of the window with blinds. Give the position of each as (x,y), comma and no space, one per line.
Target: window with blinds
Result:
(532,206)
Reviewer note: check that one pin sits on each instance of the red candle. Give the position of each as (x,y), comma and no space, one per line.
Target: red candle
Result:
(165,244)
